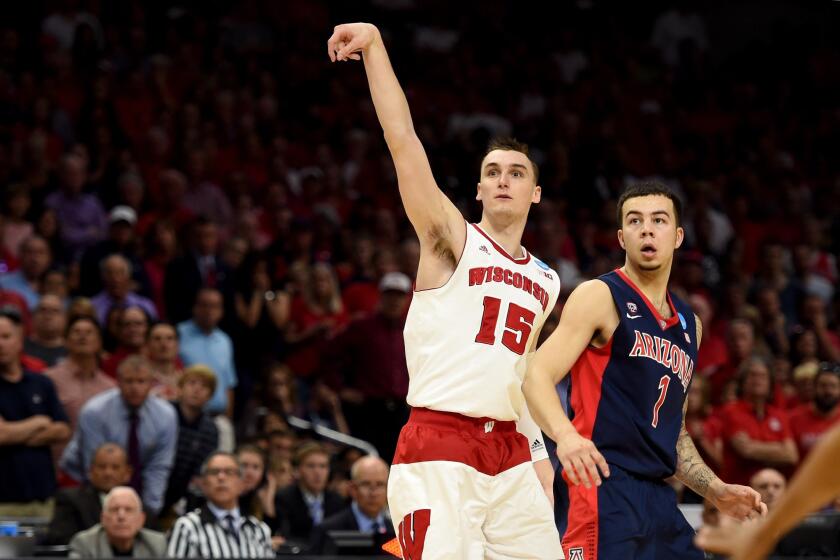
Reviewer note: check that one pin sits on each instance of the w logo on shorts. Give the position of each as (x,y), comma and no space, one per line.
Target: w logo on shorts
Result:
(413,533)
(576,553)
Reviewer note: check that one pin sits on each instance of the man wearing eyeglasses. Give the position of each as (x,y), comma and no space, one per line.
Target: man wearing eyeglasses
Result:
(219,529)
(368,511)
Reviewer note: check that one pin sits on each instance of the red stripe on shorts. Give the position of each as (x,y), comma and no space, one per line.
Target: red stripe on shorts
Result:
(582,519)
(489,446)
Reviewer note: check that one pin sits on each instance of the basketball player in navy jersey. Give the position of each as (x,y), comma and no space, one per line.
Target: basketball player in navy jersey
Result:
(631,347)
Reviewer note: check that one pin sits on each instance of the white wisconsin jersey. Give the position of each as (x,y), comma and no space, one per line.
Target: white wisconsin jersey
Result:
(467,342)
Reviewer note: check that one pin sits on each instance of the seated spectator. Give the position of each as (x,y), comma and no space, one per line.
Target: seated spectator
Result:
(32,420)
(160,249)
(755,433)
(16,228)
(49,321)
(198,436)
(203,342)
(306,503)
(278,395)
(219,529)
(133,328)
(366,513)
(77,377)
(809,422)
(162,349)
(771,484)
(116,277)
(35,260)
(77,509)
(82,218)
(121,240)
(259,487)
(199,266)
(148,426)
(120,531)
(368,367)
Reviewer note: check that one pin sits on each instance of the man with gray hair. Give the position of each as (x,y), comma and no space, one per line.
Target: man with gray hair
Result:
(219,529)
(146,426)
(116,278)
(120,530)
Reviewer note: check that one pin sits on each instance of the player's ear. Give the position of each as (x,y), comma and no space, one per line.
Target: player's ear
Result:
(680,236)
(537,196)
(621,239)
(478,191)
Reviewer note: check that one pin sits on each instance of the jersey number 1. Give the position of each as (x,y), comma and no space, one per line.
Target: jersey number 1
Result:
(663,391)
(518,325)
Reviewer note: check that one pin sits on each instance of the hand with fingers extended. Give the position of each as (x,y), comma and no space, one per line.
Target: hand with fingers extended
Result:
(350,39)
(581,460)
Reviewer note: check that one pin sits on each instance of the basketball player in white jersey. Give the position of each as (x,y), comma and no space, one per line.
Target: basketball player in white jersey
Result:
(462,485)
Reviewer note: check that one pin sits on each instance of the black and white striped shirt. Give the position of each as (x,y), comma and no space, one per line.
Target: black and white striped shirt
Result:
(199,534)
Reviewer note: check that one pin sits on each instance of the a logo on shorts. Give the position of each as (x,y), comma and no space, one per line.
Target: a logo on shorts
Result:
(537,445)
(576,553)
(412,533)
(488,426)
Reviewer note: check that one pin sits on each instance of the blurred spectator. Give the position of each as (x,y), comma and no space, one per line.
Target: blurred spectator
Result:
(162,350)
(148,426)
(32,420)
(316,314)
(78,377)
(771,484)
(35,259)
(677,29)
(117,292)
(81,217)
(741,345)
(259,486)
(197,433)
(121,240)
(755,433)
(133,329)
(803,385)
(307,502)
(15,226)
(161,248)
(219,529)
(202,342)
(120,531)
(204,197)
(712,354)
(262,310)
(369,369)
(80,508)
(199,266)
(49,320)
(277,395)
(813,316)
(810,421)
(367,512)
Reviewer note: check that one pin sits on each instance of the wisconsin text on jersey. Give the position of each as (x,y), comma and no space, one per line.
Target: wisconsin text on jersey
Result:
(661,350)
(482,274)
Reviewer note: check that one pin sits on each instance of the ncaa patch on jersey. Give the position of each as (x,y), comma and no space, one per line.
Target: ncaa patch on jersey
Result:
(683,324)
(541,264)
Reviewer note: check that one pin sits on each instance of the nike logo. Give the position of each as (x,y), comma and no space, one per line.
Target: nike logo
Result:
(633,316)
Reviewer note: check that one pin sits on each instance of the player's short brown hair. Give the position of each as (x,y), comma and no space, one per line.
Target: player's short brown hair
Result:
(648,188)
(202,373)
(512,144)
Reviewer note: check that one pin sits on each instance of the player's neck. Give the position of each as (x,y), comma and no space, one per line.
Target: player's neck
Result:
(652,283)
(508,235)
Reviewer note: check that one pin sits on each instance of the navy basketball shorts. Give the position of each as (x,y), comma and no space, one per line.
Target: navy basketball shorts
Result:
(626,518)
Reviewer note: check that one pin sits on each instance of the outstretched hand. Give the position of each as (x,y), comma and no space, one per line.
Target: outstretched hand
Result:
(739,541)
(350,39)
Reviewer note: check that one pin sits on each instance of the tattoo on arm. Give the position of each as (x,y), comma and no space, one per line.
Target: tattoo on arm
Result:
(691,469)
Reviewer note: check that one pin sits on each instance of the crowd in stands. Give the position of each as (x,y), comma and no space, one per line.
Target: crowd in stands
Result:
(201,238)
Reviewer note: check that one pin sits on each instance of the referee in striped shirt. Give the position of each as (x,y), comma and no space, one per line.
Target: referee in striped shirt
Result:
(218,529)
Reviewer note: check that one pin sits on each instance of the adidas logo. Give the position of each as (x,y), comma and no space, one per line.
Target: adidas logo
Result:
(536,445)
(485,249)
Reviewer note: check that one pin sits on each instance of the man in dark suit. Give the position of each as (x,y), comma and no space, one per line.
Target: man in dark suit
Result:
(77,509)
(198,267)
(306,503)
(368,511)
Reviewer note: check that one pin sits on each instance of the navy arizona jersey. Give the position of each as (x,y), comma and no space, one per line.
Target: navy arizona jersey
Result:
(627,396)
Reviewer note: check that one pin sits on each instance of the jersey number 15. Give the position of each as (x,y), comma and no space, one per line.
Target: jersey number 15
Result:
(518,325)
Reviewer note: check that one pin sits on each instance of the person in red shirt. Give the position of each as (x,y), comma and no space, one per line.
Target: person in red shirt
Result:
(755,433)
(809,422)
